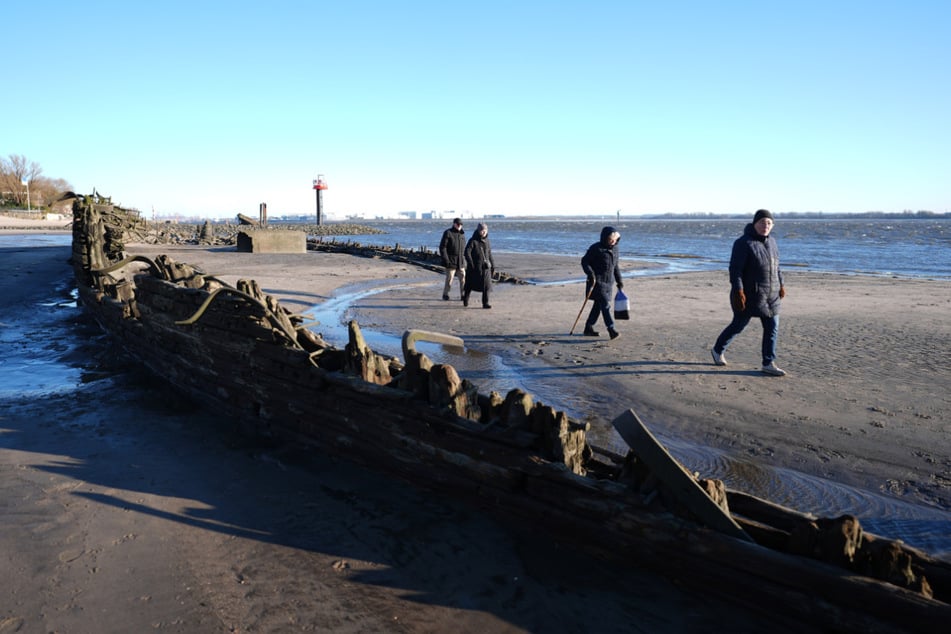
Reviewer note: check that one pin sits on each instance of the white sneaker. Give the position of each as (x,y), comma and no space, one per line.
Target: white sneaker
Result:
(718,358)
(772,370)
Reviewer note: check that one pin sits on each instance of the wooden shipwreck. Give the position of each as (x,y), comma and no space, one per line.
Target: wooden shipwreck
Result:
(240,350)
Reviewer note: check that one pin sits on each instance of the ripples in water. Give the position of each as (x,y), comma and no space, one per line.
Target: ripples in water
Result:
(921,526)
(911,247)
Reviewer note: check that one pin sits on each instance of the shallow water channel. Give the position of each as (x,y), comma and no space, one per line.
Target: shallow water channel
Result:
(920,526)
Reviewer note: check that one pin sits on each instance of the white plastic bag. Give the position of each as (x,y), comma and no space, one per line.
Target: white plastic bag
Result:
(622,306)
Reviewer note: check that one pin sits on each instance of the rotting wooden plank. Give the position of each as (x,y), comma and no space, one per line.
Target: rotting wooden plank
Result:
(680,483)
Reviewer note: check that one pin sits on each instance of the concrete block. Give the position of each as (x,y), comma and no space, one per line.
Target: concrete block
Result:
(271,241)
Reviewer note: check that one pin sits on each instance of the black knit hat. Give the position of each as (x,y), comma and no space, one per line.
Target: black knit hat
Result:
(760,214)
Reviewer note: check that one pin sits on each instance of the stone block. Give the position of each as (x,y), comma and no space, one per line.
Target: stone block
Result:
(271,241)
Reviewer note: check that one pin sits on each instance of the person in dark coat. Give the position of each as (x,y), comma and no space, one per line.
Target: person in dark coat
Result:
(480,266)
(600,265)
(756,289)
(452,249)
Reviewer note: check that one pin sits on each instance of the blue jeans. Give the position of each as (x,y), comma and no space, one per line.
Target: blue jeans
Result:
(740,320)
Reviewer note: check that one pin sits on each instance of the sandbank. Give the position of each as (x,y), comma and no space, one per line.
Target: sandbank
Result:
(150,515)
(865,402)
(128,509)
(12,224)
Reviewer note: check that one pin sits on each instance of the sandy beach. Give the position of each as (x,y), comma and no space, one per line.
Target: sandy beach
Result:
(11,224)
(865,401)
(174,525)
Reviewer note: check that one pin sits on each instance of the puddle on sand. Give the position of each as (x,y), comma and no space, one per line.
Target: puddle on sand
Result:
(33,349)
(334,314)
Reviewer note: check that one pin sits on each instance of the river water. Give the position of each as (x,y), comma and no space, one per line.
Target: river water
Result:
(906,247)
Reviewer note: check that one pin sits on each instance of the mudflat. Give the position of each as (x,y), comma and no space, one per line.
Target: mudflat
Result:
(126,516)
(865,401)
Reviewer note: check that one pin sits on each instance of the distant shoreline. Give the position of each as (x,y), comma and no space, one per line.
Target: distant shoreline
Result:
(18,220)
(17,224)
(594,217)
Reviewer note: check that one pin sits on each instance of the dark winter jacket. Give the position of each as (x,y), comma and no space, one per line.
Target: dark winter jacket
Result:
(452,248)
(479,263)
(600,262)
(754,269)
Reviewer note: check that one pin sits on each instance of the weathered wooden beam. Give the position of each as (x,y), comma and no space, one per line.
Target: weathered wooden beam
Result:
(675,478)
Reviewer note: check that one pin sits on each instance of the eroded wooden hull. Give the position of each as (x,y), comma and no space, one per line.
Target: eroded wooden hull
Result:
(239,352)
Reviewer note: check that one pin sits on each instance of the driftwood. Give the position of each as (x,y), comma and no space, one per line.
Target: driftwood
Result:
(680,485)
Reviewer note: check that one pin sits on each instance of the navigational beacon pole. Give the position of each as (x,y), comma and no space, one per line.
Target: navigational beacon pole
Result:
(319,186)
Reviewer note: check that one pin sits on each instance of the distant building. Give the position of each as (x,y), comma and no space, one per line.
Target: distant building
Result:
(406,215)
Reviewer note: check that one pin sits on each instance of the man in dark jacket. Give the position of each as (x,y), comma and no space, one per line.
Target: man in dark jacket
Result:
(452,249)
(756,289)
(600,264)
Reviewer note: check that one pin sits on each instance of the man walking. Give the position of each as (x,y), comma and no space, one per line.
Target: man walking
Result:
(756,290)
(452,249)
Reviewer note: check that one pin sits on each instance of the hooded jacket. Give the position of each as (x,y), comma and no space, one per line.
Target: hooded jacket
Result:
(479,262)
(754,269)
(600,263)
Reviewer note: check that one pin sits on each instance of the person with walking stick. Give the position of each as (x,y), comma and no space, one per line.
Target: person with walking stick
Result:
(600,264)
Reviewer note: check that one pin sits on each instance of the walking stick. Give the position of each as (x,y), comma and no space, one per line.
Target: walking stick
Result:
(586,298)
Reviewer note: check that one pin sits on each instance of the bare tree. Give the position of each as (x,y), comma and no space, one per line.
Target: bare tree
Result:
(14,171)
(45,191)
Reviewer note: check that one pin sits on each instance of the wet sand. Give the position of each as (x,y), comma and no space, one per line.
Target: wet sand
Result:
(865,402)
(147,515)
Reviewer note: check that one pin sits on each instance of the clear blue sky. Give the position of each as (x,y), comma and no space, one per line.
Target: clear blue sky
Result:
(210,108)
